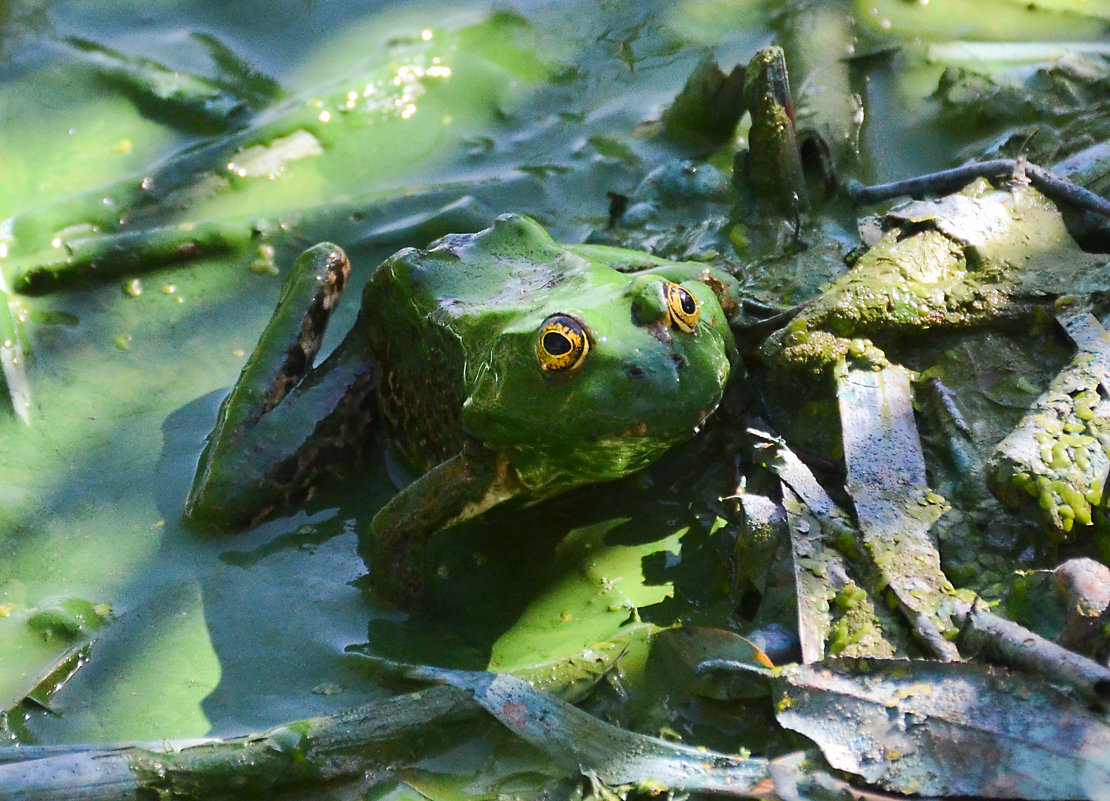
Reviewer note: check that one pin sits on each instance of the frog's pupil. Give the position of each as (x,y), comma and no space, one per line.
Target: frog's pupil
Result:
(687,302)
(555,343)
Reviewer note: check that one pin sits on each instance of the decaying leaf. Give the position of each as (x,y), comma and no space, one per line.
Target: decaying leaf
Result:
(895,506)
(948,728)
(836,614)
(1056,461)
(612,755)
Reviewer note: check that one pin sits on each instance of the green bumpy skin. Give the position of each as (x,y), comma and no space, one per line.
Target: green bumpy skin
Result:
(454,332)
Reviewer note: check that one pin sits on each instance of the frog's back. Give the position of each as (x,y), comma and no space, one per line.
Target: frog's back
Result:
(475,282)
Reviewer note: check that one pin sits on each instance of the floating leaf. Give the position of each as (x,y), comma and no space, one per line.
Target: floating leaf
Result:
(571,631)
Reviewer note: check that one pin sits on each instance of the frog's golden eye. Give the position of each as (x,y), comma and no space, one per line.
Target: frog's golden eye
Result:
(562,344)
(681,307)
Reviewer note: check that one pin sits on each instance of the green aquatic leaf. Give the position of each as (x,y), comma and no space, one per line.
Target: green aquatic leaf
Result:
(189,101)
(1097,9)
(413,104)
(14,386)
(595,602)
(985,20)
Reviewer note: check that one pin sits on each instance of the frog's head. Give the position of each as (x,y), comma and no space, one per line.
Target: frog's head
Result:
(595,373)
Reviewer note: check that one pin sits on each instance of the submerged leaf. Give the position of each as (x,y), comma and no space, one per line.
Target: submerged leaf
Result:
(687,647)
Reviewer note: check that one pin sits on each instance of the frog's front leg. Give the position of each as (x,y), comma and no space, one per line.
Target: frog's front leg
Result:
(458,489)
(284,419)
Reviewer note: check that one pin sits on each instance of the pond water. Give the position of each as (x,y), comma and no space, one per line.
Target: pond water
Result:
(536,107)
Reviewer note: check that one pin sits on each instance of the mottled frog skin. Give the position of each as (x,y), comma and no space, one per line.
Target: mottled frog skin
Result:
(500,365)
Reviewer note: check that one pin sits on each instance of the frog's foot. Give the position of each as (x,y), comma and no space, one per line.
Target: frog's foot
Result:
(456,490)
(283,416)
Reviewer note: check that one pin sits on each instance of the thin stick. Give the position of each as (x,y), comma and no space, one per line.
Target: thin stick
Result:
(1054,186)
(1018,647)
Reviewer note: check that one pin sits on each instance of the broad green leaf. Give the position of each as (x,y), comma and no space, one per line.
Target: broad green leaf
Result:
(592,608)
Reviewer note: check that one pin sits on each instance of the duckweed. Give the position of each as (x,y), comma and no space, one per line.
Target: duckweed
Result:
(1083,405)
(1056,455)
(850,595)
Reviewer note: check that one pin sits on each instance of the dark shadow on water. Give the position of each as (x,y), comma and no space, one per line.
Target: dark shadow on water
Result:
(280,601)
(182,443)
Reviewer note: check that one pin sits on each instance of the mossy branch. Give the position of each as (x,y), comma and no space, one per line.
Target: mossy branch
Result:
(363,744)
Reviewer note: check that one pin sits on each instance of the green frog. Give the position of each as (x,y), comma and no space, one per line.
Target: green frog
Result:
(500,365)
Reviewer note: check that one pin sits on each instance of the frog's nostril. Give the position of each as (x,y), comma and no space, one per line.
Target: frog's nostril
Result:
(634,371)
(678,360)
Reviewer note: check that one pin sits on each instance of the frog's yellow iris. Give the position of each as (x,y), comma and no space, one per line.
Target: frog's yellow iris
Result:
(562,344)
(681,306)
